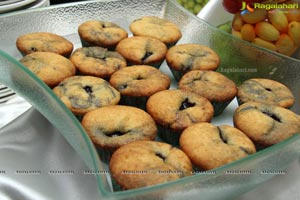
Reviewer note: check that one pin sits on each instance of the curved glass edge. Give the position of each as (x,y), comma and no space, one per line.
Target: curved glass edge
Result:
(236,61)
(261,158)
(226,34)
(225,182)
(215,28)
(36,92)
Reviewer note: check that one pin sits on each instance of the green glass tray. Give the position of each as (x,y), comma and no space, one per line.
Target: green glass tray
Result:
(239,61)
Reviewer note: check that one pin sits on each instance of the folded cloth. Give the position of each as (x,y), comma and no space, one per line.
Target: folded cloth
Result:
(37,163)
(12,109)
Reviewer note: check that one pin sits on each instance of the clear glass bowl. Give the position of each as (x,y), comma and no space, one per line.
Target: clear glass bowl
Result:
(239,61)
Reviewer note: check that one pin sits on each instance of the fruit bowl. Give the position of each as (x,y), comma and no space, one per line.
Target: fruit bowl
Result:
(239,61)
(275,27)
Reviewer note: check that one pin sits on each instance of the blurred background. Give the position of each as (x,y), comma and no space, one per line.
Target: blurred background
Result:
(194,6)
(52,2)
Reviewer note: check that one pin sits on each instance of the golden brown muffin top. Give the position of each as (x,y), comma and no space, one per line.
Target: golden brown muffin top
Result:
(178,109)
(209,146)
(113,126)
(265,91)
(210,84)
(147,163)
(140,50)
(266,124)
(44,42)
(156,27)
(187,57)
(85,93)
(101,33)
(50,67)
(97,61)
(139,80)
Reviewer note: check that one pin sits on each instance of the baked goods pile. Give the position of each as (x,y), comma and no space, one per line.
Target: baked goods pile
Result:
(146,131)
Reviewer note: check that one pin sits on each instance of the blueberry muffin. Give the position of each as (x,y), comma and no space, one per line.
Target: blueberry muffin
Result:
(85,93)
(214,86)
(44,42)
(156,27)
(265,91)
(101,33)
(147,163)
(187,57)
(266,124)
(175,110)
(113,126)
(209,146)
(97,61)
(137,83)
(50,67)
(142,50)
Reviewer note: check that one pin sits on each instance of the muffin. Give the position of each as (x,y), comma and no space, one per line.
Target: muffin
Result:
(147,163)
(113,126)
(175,110)
(214,86)
(97,61)
(101,33)
(137,83)
(142,50)
(265,91)
(44,42)
(50,67)
(209,146)
(266,124)
(187,57)
(156,27)
(85,93)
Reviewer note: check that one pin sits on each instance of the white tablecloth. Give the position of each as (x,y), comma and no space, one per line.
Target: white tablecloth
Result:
(36,163)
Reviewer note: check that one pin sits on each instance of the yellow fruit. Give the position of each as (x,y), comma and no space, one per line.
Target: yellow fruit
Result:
(275,29)
(254,17)
(265,44)
(266,31)
(237,22)
(279,20)
(294,32)
(248,32)
(236,34)
(293,15)
(285,45)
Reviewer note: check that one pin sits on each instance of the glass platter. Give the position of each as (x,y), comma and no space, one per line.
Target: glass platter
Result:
(239,61)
